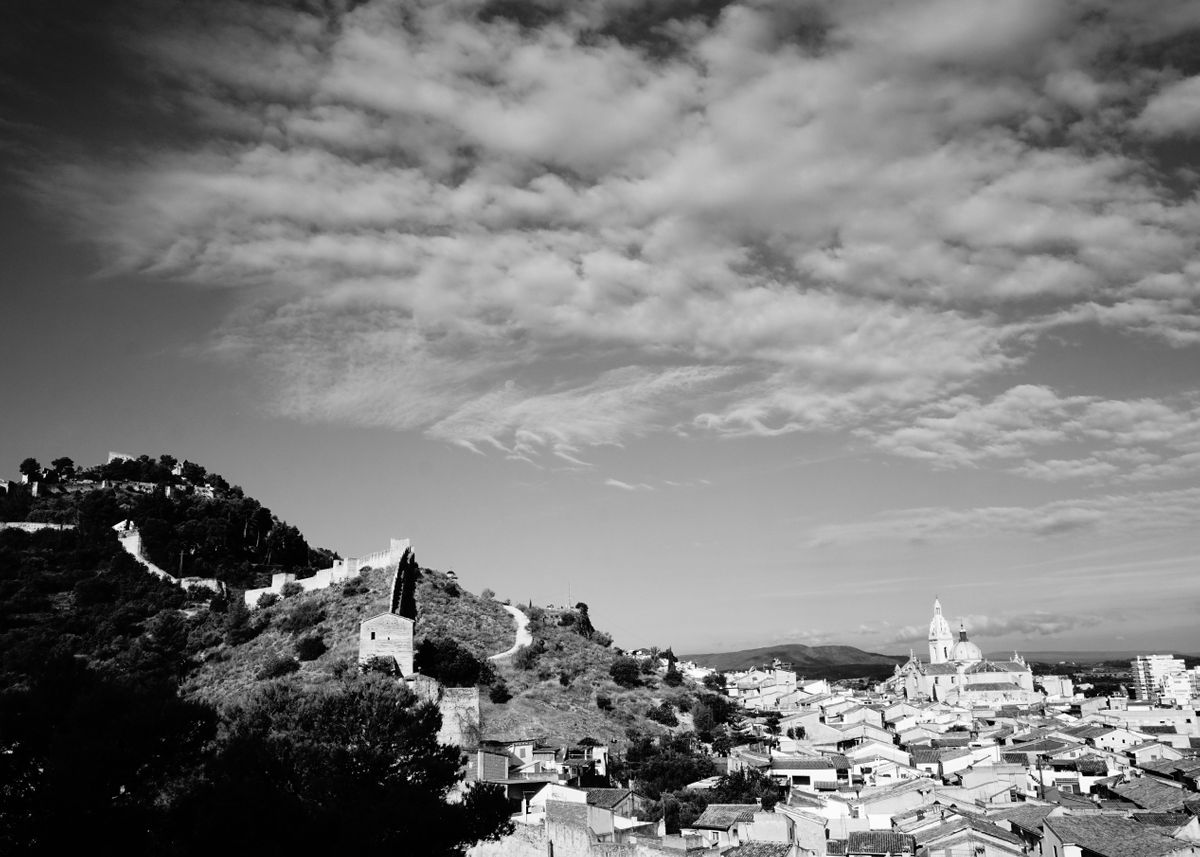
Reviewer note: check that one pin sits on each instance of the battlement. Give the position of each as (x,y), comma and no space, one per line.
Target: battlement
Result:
(340,571)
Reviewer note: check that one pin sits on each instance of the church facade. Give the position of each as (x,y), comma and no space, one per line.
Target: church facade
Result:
(958,673)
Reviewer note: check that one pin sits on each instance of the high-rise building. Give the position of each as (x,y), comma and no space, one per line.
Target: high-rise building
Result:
(1149,672)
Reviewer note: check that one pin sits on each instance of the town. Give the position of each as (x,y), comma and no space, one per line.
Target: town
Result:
(955,754)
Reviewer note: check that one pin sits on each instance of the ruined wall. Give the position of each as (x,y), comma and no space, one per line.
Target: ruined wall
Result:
(460,717)
(528,840)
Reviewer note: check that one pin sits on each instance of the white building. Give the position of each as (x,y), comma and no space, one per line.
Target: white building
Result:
(1149,672)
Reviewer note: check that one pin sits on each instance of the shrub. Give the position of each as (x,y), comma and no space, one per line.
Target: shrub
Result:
(291,588)
(625,671)
(499,692)
(451,663)
(380,664)
(354,586)
(527,658)
(302,617)
(277,667)
(663,714)
(487,594)
(266,600)
(673,678)
(602,639)
(564,678)
(310,648)
(604,703)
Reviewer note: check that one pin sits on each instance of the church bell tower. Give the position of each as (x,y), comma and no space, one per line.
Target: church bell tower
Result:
(941,640)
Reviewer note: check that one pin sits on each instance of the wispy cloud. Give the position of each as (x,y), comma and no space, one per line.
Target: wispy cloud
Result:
(628,486)
(1035,624)
(531,234)
(1134,513)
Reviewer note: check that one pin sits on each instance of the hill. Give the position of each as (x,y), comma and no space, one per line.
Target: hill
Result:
(831,662)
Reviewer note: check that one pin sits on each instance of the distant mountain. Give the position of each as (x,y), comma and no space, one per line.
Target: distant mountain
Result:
(810,661)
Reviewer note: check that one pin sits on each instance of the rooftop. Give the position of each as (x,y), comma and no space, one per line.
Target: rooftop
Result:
(722,816)
(1112,836)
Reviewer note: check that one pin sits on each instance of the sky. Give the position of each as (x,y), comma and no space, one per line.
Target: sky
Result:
(745,323)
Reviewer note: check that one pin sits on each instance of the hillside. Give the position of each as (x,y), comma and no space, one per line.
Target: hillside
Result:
(832,662)
(333,616)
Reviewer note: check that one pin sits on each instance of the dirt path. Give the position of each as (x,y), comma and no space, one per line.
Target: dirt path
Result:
(524,638)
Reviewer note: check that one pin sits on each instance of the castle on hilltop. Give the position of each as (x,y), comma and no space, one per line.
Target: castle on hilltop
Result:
(957,671)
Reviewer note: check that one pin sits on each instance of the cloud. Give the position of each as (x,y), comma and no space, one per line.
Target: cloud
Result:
(533,231)
(628,486)
(1174,110)
(1120,440)
(1132,514)
(1036,624)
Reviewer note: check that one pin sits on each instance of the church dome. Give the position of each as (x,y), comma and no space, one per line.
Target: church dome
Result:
(964,649)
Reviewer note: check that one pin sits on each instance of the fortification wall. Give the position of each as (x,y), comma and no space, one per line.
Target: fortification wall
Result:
(528,840)
(341,570)
(460,717)
(33,526)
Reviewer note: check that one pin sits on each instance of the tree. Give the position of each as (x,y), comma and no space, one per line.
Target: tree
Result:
(310,648)
(625,672)
(715,682)
(451,663)
(356,767)
(64,468)
(584,624)
(30,469)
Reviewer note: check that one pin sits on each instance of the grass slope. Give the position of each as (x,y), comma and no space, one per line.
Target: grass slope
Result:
(481,625)
(545,708)
(542,706)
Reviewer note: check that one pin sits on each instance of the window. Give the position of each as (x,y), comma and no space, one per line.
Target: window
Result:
(372,635)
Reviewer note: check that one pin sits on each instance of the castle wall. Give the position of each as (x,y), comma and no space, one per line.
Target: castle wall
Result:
(341,570)
(32,526)
(460,717)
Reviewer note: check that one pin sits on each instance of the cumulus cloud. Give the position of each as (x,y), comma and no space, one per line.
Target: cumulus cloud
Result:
(533,230)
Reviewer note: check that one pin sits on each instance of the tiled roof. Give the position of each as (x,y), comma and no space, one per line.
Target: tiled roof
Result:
(1113,836)
(722,816)
(835,847)
(606,798)
(1172,820)
(1152,794)
(958,823)
(941,669)
(1025,817)
(801,764)
(993,685)
(880,842)
(1159,730)
(761,849)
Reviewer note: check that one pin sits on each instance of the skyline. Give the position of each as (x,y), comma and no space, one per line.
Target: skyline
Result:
(747,324)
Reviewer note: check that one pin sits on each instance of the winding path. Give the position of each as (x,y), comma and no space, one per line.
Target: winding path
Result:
(524,638)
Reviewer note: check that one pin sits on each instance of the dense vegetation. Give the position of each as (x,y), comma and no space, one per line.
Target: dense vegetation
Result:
(228,536)
(101,750)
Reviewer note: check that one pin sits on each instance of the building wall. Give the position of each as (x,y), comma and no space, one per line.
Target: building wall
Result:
(387,635)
